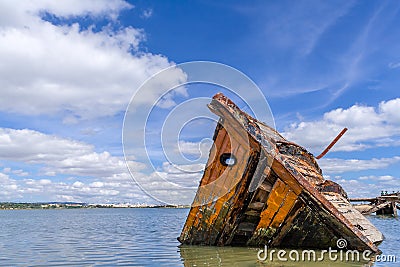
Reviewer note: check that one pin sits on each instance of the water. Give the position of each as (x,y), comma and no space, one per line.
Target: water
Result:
(129,237)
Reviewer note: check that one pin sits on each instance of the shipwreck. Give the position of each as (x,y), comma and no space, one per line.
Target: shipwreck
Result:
(260,189)
(385,204)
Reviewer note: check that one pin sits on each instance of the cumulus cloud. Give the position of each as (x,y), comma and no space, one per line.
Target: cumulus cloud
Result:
(334,165)
(35,147)
(95,192)
(18,172)
(7,186)
(369,186)
(51,64)
(24,11)
(368,127)
(93,176)
(58,155)
(194,148)
(85,71)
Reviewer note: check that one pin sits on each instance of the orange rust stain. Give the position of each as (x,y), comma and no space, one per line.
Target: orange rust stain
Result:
(293,213)
(281,200)
(274,202)
(288,204)
(218,206)
(192,215)
(196,219)
(190,219)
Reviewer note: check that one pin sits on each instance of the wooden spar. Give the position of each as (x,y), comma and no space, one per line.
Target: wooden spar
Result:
(332,144)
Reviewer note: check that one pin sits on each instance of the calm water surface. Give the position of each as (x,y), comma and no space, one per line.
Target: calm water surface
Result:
(130,237)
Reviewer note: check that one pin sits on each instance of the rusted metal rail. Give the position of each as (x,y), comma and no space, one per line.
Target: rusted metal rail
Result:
(332,144)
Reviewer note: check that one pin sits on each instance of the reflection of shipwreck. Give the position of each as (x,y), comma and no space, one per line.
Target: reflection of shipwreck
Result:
(260,189)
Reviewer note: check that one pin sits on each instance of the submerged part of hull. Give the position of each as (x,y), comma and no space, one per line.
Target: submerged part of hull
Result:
(259,189)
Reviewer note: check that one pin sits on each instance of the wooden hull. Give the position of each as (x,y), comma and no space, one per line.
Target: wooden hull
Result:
(273,195)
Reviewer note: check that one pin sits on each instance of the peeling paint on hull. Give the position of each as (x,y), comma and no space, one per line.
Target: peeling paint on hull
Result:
(273,195)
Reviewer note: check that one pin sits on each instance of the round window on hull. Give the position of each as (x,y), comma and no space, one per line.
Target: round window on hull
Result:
(227,159)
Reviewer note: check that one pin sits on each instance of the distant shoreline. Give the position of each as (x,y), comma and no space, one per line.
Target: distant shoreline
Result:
(71,205)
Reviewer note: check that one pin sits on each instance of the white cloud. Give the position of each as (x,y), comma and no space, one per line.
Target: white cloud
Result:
(390,111)
(35,147)
(72,71)
(187,176)
(69,70)
(394,65)
(368,127)
(16,172)
(94,177)
(77,184)
(147,13)
(22,12)
(95,192)
(7,186)
(369,186)
(109,187)
(199,149)
(58,155)
(334,165)
(115,189)
(382,179)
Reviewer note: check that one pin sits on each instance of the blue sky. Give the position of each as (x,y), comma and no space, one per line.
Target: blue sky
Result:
(68,70)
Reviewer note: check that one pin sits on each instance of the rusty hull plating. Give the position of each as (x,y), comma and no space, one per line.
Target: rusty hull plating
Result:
(271,192)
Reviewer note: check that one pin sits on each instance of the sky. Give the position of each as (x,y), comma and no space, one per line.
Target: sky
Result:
(69,69)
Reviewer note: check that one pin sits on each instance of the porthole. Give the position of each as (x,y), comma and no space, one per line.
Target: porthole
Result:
(227,159)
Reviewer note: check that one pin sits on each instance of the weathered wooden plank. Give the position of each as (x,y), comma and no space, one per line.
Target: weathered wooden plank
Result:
(266,186)
(297,208)
(215,151)
(280,170)
(226,236)
(256,205)
(274,202)
(286,206)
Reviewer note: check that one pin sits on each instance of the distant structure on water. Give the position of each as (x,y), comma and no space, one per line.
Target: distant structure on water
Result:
(385,204)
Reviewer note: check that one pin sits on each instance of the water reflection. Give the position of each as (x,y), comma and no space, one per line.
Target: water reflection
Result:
(239,256)
(389,226)
(132,237)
